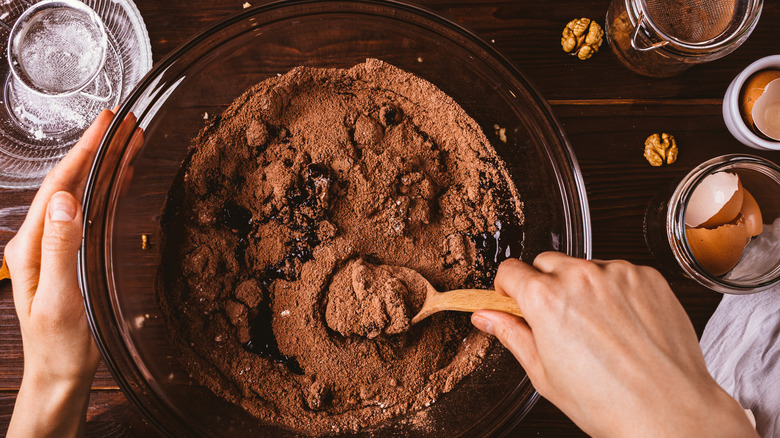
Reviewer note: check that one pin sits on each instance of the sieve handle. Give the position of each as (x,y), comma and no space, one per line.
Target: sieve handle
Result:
(101,98)
(634,36)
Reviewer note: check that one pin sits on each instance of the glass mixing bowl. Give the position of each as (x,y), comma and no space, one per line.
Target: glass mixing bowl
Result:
(132,175)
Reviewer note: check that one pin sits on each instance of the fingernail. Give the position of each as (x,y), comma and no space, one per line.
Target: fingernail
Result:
(62,207)
(482,323)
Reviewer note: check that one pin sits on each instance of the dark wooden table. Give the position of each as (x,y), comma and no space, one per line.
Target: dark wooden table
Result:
(606,111)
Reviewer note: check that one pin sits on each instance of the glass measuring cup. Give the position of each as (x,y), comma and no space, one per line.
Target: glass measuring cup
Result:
(58,47)
(662,38)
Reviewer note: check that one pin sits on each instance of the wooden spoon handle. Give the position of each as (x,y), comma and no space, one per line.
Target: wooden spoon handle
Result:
(470,300)
(4,271)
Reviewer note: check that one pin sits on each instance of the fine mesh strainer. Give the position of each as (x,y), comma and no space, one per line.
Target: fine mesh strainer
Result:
(57,47)
(694,25)
(693,21)
(662,38)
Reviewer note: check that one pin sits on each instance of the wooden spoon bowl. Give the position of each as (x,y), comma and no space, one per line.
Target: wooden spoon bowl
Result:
(461,300)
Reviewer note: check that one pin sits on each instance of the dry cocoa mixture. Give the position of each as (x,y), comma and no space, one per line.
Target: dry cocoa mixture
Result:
(294,207)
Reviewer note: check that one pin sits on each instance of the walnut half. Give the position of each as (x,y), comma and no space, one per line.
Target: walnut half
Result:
(582,37)
(660,148)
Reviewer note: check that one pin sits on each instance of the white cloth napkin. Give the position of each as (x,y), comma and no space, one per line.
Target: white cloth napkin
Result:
(741,344)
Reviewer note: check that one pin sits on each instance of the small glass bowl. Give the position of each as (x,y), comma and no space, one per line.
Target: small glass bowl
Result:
(732,115)
(759,267)
(37,130)
(130,181)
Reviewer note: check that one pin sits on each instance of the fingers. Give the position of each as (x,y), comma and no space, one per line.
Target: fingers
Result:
(58,285)
(512,275)
(551,261)
(79,160)
(126,134)
(525,284)
(514,278)
(137,138)
(24,275)
(69,175)
(515,335)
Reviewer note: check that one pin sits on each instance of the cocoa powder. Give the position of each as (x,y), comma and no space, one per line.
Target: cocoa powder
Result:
(289,202)
(369,300)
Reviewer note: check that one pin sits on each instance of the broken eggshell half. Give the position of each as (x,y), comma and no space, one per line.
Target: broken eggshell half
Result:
(750,211)
(766,111)
(721,218)
(719,249)
(716,201)
(753,89)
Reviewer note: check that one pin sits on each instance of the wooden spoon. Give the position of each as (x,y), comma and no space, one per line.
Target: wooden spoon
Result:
(462,300)
(4,271)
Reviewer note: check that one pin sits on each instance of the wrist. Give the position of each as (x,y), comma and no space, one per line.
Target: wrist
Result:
(696,407)
(45,378)
(50,406)
(712,413)
(730,419)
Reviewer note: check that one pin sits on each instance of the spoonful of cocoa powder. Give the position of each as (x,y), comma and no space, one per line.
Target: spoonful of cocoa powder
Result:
(369,300)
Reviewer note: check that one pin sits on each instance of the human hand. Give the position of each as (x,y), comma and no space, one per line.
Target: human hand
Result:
(60,355)
(611,346)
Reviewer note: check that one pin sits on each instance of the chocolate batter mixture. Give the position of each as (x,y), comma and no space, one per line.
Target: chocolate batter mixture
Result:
(290,203)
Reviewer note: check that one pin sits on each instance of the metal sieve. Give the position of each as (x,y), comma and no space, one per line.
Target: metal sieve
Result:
(662,38)
(692,21)
(57,47)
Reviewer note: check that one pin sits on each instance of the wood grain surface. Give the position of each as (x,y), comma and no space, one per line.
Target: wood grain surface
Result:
(605,110)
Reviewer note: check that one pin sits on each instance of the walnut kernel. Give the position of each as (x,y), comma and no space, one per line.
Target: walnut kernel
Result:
(660,148)
(582,37)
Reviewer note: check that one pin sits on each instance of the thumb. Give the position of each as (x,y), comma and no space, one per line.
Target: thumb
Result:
(59,249)
(515,334)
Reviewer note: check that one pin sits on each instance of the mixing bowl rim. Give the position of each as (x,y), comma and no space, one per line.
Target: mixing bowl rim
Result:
(578,198)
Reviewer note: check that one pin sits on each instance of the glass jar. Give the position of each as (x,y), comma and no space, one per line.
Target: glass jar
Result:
(662,38)
(665,229)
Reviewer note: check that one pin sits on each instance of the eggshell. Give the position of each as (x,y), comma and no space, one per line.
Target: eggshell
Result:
(753,89)
(751,213)
(718,250)
(715,201)
(766,111)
